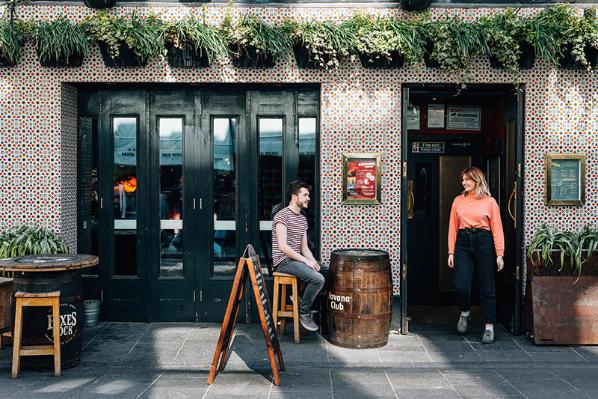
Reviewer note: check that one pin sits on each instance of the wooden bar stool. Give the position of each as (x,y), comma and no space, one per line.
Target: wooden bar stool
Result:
(27,299)
(284,310)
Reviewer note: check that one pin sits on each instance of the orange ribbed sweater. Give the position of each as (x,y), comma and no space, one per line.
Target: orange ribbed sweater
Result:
(471,212)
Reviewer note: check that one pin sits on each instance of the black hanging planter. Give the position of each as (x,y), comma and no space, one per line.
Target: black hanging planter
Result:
(99,4)
(526,59)
(369,61)
(415,5)
(428,49)
(568,60)
(74,60)
(249,57)
(126,57)
(5,62)
(186,58)
(304,58)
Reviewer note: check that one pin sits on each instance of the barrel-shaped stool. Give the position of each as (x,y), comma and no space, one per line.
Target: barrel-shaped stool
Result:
(28,299)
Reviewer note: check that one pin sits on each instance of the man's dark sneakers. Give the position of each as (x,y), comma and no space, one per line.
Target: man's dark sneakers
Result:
(307,322)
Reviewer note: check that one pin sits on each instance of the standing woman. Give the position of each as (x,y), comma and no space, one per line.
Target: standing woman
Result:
(475,243)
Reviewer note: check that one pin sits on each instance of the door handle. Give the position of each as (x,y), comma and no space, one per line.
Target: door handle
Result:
(512,197)
(410,200)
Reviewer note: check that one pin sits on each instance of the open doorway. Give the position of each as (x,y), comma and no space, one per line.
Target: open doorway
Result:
(445,129)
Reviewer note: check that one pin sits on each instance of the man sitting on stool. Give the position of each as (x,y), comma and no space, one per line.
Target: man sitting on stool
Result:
(291,254)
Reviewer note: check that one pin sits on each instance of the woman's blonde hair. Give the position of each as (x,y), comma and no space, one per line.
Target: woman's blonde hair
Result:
(481,186)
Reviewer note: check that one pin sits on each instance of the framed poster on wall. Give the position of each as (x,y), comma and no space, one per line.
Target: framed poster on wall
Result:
(361,178)
(565,179)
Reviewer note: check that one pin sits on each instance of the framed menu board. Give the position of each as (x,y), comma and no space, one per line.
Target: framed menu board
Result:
(565,179)
(361,178)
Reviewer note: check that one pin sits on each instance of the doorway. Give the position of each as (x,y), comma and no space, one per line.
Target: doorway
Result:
(176,181)
(446,129)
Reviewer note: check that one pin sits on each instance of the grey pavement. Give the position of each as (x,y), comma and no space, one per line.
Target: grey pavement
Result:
(172,360)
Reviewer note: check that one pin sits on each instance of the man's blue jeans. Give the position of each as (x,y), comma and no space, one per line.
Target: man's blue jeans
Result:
(314,281)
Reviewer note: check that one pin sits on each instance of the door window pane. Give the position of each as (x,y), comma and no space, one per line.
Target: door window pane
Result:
(307,173)
(225,195)
(171,196)
(125,195)
(270,184)
(88,190)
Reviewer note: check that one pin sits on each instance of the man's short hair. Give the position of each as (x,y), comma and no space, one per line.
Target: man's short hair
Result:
(296,186)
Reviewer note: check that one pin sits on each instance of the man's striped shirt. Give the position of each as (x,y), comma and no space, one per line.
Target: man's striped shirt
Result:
(296,229)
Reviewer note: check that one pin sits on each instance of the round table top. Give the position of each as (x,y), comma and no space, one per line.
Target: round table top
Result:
(48,263)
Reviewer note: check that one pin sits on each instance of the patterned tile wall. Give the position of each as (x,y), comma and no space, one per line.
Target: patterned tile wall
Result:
(360,112)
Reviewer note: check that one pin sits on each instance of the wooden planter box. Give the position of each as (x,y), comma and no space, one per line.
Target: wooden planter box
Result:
(186,58)
(564,305)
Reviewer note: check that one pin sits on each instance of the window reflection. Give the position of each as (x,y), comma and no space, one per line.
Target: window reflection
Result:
(224,201)
(125,195)
(307,173)
(171,196)
(270,188)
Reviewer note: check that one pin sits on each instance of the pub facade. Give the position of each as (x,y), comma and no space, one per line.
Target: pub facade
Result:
(168,173)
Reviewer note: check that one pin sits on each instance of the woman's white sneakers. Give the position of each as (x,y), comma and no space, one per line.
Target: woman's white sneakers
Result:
(462,324)
(488,337)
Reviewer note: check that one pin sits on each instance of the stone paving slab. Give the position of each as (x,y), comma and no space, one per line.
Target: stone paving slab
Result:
(172,360)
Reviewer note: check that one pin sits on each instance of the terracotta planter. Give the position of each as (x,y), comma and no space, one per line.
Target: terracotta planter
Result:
(564,305)
(250,58)
(186,58)
(367,61)
(125,58)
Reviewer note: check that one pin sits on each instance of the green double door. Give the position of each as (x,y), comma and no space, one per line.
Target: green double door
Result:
(185,180)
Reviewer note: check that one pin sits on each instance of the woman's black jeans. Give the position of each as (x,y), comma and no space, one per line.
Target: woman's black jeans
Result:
(474,251)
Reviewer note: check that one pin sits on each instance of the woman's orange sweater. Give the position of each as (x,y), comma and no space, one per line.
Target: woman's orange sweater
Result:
(470,212)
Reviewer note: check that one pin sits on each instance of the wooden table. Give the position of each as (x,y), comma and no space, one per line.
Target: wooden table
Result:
(47,273)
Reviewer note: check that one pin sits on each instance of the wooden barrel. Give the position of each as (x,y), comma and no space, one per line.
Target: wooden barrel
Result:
(359,300)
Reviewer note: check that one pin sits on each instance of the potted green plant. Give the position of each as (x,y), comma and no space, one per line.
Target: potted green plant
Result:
(30,240)
(126,41)
(60,43)
(385,42)
(450,43)
(321,44)
(12,35)
(507,37)
(192,43)
(563,269)
(253,43)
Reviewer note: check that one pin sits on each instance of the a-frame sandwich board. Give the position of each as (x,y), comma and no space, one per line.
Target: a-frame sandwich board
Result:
(249,265)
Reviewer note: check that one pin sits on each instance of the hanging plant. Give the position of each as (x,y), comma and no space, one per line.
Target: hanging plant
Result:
(126,41)
(580,47)
(507,37)
(12,36)
(385,42)
(451,43)
(60,43)
(100,4)
(321,44)
(192,43)
(30,240)
(254,43)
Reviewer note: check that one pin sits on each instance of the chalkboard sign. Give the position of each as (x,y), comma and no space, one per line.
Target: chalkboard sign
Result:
(565,179)
(263,297)
(249,265)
